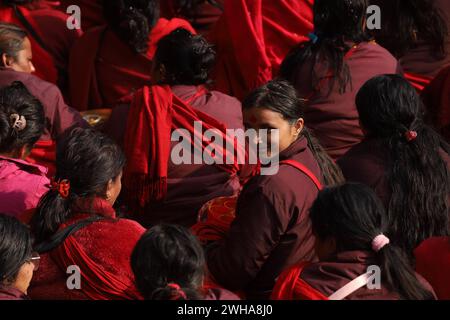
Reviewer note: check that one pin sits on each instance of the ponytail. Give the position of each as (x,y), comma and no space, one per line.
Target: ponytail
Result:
(339,26)
(354,216)
(396,270)
(331,173)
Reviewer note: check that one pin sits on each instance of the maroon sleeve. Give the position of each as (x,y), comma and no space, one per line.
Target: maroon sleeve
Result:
(63,117)
(235,261)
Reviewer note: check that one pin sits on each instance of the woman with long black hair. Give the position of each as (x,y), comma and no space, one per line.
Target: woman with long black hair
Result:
(272,229)
(75,224)
(417,33)
(351,226)
(403,160)
(329,70)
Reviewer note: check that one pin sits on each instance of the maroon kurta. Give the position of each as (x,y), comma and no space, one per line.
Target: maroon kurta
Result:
(59,115)
(189,185)
(272,229)
(334,118)
(329,276)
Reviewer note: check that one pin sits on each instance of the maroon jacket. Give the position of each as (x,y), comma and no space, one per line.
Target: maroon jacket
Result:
(12,294)
(329,276)
(188,186)
(272,229)
(334,118)
(58,114)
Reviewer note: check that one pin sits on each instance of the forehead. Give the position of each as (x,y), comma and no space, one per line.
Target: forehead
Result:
(261,115)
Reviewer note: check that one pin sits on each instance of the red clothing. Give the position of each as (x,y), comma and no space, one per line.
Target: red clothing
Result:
(437,100)
(252,39)
(272,229)
(91,12)
(51,52)
(102,251)
(433,263)
(318,281)
(333,118)
(159,186)
(104,69)
(12,294)
(202,18)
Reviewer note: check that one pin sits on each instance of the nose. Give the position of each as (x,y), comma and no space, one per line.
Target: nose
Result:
(32,68)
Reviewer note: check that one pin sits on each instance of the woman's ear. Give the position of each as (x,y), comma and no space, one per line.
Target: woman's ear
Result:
(7,60)
(299,125)
(109,189)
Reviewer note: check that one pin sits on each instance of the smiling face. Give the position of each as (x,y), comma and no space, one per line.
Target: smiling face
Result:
(263,118)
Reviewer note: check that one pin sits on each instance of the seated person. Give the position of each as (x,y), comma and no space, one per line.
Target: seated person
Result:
(17,260)
(350,225)
(328,71)
(174,274)
(75,224)
(22,122)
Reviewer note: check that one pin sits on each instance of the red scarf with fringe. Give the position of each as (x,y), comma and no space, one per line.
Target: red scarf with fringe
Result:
(155,111)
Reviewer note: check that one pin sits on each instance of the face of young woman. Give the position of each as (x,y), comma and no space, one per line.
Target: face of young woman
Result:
(261,118)
(23,61)
(113,189)
(24,277)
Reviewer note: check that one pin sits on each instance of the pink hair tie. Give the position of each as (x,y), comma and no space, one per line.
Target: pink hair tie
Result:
(411,135)
(178,289)
(380,242)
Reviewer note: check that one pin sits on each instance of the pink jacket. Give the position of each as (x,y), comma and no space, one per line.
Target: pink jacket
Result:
(22,184)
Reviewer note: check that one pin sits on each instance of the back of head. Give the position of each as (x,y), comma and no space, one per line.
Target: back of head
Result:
(88,160)
(392,113)
(22,119)
(407,22)
(168,264)
(11,40)
(132,20)
(354,217)
(15,248)
(187,58)
(338,25)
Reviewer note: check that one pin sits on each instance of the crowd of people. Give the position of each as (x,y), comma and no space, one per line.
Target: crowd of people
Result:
(359,118)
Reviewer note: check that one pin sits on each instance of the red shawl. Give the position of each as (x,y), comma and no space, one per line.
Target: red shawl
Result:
(42,59)
(262,35)
(97,282)
(154,113)
(44,154)
(290,286)
(133,71)
(437,99)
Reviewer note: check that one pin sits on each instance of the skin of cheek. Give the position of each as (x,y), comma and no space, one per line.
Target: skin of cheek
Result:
(24,277)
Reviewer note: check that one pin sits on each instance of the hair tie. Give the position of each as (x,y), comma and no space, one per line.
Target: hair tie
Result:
(18,122)
(410,135)
(380,242)
(178,289)
(61,186)
(313,37)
